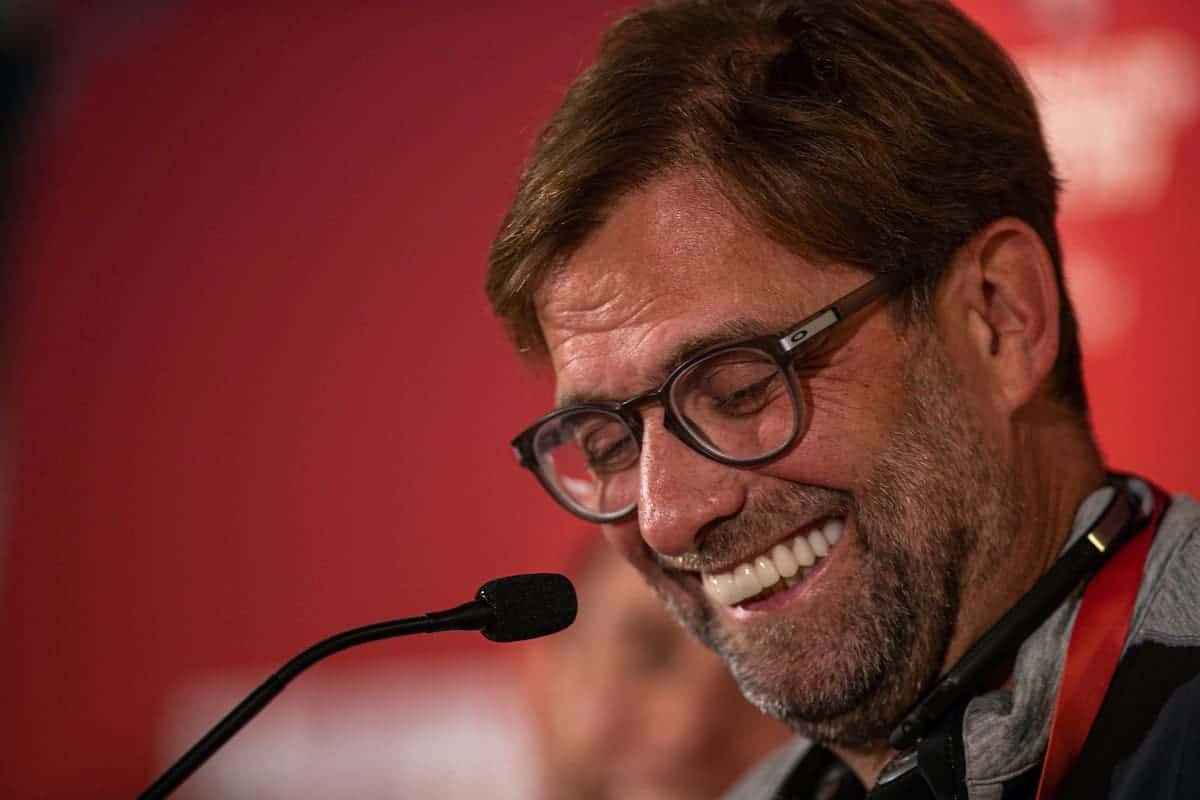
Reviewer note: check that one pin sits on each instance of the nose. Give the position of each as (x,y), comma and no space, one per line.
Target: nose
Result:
(681,491)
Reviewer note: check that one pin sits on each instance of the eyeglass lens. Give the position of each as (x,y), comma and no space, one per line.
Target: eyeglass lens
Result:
(590,458)
(737,405)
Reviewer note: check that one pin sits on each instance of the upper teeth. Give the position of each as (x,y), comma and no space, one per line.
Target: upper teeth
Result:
(781,562)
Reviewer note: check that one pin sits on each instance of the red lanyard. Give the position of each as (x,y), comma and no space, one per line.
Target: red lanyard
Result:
(1095,648)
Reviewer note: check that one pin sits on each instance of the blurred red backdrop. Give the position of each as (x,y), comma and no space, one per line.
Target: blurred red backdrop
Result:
(257,395)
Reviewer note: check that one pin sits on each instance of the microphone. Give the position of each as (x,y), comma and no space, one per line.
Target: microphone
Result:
(526,606)
(504,610)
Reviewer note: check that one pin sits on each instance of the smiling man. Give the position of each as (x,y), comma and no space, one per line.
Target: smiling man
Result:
(795,267)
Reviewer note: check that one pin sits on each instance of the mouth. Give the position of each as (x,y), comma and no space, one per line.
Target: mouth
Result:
(781,567)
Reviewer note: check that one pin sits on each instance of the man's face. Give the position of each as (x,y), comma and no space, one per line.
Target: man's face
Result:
(890,464)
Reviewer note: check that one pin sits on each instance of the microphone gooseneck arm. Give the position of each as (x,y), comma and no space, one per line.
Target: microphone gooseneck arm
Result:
(507,609)
(475,615)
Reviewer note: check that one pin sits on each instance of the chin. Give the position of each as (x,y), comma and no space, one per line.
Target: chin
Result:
(848,676)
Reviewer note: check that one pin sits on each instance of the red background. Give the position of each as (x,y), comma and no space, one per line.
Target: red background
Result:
(256,393)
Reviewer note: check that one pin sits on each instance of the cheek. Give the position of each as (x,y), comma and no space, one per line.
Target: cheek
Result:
(848,423)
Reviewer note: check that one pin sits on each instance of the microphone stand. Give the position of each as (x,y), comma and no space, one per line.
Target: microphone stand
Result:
(471,616)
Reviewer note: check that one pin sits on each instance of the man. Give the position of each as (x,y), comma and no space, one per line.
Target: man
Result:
(627,706)
(888,448)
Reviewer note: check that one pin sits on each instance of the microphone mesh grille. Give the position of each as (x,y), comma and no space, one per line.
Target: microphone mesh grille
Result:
(528,606)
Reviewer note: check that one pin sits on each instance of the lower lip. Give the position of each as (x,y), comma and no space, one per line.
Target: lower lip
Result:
(785,598)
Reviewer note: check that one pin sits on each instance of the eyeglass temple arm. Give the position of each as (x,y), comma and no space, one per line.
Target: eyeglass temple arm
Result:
(867,293)
(839,310)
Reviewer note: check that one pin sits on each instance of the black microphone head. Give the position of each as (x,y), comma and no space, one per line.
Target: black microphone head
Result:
(528,606)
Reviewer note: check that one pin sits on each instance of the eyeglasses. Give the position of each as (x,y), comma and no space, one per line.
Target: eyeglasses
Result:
(737,403)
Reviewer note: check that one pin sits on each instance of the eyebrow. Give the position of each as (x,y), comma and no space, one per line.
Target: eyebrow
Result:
(724,332)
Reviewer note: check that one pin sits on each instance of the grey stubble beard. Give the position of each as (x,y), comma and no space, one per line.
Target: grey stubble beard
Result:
(938,507)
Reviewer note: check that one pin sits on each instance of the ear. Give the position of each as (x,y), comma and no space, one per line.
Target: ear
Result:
(997,308)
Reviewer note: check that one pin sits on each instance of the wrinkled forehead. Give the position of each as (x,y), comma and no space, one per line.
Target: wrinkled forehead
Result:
(680,218)
(673,263)
(595,319)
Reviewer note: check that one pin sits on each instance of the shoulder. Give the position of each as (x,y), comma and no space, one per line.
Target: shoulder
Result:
(1168,604)
(1144,740)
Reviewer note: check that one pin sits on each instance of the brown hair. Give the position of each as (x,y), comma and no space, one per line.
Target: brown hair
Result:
(877,133)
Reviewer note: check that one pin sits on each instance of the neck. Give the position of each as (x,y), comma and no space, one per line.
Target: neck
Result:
(1056,466)
(1059,466)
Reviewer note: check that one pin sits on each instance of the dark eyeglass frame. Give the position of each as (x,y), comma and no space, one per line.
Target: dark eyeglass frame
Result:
(782,347)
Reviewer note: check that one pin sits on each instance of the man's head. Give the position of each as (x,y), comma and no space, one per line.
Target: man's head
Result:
(731,170)
(875,134)
(627,706)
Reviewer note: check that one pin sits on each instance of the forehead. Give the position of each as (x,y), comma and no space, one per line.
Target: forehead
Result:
(674,263)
